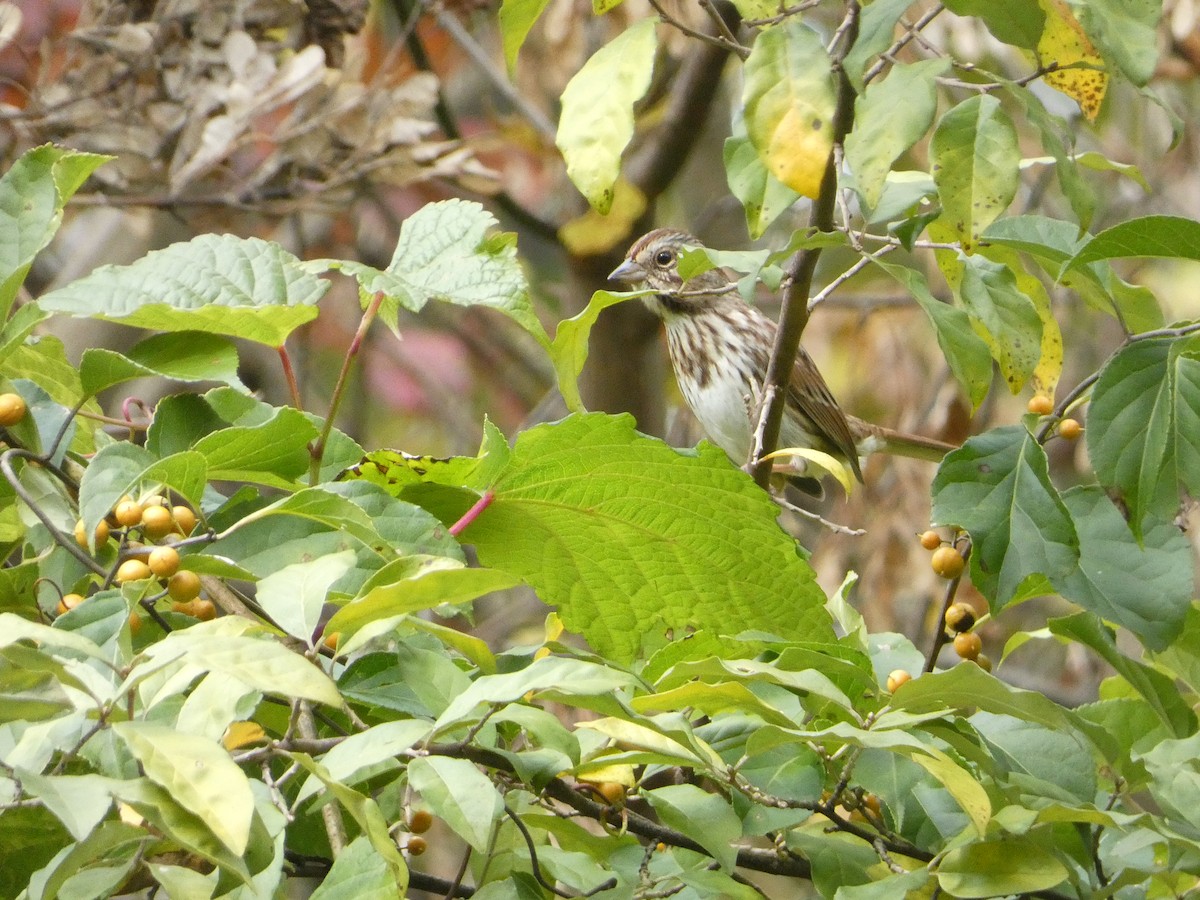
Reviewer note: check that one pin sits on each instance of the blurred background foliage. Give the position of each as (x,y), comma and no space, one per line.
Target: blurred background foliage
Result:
(322,124)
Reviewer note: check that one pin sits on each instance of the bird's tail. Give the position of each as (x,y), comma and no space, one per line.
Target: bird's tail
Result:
(872,438)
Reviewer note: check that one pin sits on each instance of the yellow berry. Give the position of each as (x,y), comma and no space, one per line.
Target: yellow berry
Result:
(416,846)
(420,821)
(931,540)
(983,662)
(947,562)
(157,522)
(968,645)
(12,409)
(135,624)
(132,570)
(128,513)
(184,608)
(613,792)
(960,617)
(184,586)
(69,602)
(896,678)
(1040,405)
(1070,429)
(163,561)
(204,610)
(184,518)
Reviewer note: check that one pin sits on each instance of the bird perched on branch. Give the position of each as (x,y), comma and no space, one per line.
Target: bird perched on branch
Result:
(719,347)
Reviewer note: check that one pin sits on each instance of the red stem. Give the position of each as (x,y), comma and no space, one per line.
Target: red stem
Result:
(473,513)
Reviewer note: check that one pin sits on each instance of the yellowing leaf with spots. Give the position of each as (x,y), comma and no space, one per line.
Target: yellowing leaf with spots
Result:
(789,99)
(1065,44)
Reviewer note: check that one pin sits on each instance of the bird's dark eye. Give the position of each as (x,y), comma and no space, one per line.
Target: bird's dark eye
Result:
(664,257)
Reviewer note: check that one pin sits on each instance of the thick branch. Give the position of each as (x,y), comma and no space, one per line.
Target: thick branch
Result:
(800,271)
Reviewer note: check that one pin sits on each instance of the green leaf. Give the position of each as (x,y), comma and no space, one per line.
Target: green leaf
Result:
(262,663)
(32,196)
(1170,237)
(358,873)
(1125,32)
(358,755)
(597,111)
(1014,329)
(409,585)
(445,253)
(992,868)
(19,326)
(1039,759)
(43,359)
(974,160)
(706,818)
(1142,422)
(1175,777)
(294,595)
(588,506)
(876,32)
(241,287)
(516,18)
(1155,688)
(965,351)
(763,196)
(890,117)
(199,774)
(181,356)
(79,801)
(789,99)
(569,350)
(273,451)
(458,793)
(1147,588)
(997,486)
(1016,22)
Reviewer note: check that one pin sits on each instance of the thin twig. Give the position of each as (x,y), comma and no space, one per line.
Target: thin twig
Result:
(929,15)
(335,828)
(715,39)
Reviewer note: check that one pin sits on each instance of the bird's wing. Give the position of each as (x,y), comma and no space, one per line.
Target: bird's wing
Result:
(808,392)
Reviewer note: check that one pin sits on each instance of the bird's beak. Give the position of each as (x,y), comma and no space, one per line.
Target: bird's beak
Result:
(628,272)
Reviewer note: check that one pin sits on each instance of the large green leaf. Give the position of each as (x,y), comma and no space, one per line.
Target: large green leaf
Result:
(597,111)
(239,287)
(1014,329)
(199,774)
(889,118)
(706,818)
(997,486)
(294,595)
(763,196)
(516,17)
(1142,426)
(569,351)
(182,356)
(1125,33)
(1171,237)
(629,537)
(1147,588)
(974,158)
(32,196)
(1016,22)
(1011,865)
(789,99)
(460,794)
(358,873)
(272,451)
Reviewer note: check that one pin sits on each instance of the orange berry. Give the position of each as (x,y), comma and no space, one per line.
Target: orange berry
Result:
(69,602)
(613,792)
(960,617)
(416,846)
(12,408)
(128,513)
(968,645)
(897,678)
(184,586)
(331,640)
(132,570)
(1070,429)
(204,610)
(135,624)
(1040,405)
(420,821)
(947,562)
(931,540)
(157,522)
(184,518)
(163,561)
(184,608)
(81,537)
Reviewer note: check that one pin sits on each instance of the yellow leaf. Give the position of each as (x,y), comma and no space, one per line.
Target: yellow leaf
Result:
(239,734)
(822,461)
(789,101)
(593,233)
(1065,44)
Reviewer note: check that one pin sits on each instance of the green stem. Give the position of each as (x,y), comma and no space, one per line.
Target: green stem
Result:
(317,448)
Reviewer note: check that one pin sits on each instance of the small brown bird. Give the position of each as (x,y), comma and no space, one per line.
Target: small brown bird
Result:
(719,347)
